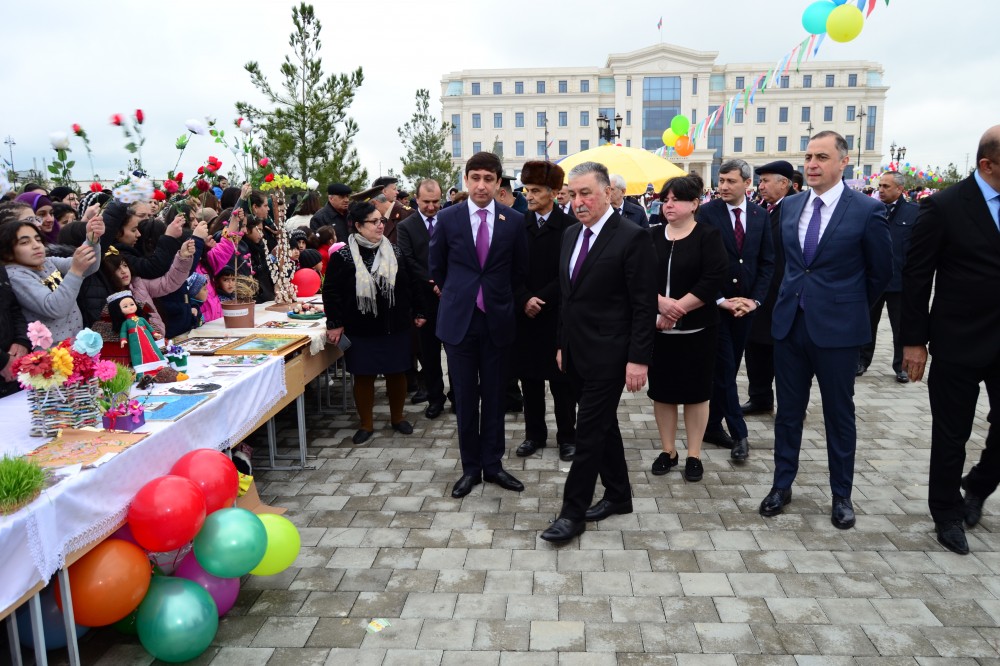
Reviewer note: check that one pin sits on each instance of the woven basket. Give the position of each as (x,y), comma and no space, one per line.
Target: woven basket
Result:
(64,407)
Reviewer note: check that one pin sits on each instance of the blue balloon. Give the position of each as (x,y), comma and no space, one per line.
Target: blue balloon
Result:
(815,15)
(53,627)
(177,620)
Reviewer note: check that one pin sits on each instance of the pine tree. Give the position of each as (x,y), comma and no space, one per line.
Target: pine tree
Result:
(424,139)
(307,131)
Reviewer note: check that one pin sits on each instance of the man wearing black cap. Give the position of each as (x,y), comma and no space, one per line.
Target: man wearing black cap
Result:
(334,213)
(397,211)
(775,185)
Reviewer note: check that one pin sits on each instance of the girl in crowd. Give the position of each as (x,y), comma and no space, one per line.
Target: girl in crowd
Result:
(217,259)
(257,248)
(325,241)
(42,206)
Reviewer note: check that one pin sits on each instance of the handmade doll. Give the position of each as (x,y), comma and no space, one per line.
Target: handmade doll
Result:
(146,357)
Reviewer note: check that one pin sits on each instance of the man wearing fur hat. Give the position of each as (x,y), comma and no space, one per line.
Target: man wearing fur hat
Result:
(538,306)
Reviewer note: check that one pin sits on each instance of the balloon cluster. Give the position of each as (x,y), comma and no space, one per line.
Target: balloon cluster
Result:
(836,18)
(676,136)
(914,171)
(174,605)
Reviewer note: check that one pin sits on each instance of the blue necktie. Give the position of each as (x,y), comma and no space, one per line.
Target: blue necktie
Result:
(812,233)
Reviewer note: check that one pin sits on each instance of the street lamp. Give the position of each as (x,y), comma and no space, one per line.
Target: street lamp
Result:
(604,130)
(897,154)
(861,132)
(10,143)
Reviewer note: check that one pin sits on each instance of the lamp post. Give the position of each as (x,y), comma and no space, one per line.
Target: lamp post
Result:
(861,132)
(604,130)
(10,143)
(896,154)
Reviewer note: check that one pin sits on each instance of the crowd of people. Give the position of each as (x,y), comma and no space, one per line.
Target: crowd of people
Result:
(567,281)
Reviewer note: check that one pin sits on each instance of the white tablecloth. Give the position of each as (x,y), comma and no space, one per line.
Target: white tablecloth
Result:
(35,541)
(317,333)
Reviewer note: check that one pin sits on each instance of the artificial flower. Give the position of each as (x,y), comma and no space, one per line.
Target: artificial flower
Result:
(96,187)
(245,126)
(88,342)
(39,335)
(139,116)
(158,195)
(202,185)
(5,186)
(77,130)
(170,186)
(140,189)
(268,178)
(59,140)
(312,184)
(263,161)
(116,119)
(179,177)
(105,370)
(196,126)
(201,170)
(62,362)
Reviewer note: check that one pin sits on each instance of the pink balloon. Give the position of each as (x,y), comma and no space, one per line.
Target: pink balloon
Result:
(223,590)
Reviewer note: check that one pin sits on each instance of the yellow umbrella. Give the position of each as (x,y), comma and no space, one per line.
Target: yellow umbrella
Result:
(638,167)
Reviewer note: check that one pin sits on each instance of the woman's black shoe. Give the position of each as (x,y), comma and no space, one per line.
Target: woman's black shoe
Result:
(663,463)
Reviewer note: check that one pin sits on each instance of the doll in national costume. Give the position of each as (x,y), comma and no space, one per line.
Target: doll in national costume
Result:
(134,330)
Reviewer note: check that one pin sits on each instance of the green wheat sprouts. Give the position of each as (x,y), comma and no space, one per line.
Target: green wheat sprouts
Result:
(20,480)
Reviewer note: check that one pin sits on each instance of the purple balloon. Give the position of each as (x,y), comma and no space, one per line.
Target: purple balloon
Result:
(124,533)
(223,590)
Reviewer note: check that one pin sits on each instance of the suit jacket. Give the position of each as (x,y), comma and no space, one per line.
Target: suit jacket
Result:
(760,327)
(750,271)
(455,269)
(414,243)
(636,213)
(955,247)
(535,349)
(901,222)
(608,316)
(851,267)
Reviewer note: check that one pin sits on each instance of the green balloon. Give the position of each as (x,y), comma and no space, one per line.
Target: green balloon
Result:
(230,543)
(126,625)
(680,125)
(283,545)
(177,620)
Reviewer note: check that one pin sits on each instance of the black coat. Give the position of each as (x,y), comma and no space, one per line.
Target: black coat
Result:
(327,216)
(534,353)
(750,271)
(414,242)
(261,270)
(13,327)
(340,299)
(636,213)
(697,266)
(901,222)
(760,327)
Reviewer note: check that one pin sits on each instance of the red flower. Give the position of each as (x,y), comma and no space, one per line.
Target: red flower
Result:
(179,177)
(212,159)
(171,186)
(116,119)
(96,187)
(202,185)
(77,130)
(139,116)
(158,195)
(263,161)
(201,170)
(268,178)
(239,121)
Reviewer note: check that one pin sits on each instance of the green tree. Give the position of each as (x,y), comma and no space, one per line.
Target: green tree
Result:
(424,139)
(307,131)
(497,148)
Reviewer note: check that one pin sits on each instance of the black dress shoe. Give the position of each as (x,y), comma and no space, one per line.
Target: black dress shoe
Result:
(434,410)
(973,505)
(842,515)
(861,369)
(563,529)
(902,377)
(361,436)
(403,427)
(741,449)
(951,535)
(664,462)
(566,451)
(775,501)
(464,486)
(505,480)
(419,397)
(719,438)
(528,448)
(693,469)
(514,407)
(604,509)
(750,407)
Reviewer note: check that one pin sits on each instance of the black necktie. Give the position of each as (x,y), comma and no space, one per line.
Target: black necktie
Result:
(889,208)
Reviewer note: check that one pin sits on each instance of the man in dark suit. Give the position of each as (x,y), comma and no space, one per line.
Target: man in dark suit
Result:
(837,262)
(607,274)
(414,235)
(478,258)
(534,358)
(334,213)
(563,201)
(955,247)
(628,210)
(902,216)
(746,234)
(775,184)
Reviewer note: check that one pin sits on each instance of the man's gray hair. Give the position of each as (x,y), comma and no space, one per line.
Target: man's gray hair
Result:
(736,165)
(619,181)
(599,170)
(380,198)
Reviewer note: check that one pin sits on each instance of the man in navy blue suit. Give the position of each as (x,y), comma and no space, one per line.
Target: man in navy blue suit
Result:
(478,258)
(838,261)
(746,233)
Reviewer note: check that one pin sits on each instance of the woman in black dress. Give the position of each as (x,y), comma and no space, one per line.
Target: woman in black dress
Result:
(692,265)
(366,295)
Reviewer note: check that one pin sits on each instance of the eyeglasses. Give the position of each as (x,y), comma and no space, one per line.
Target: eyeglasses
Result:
(380,221)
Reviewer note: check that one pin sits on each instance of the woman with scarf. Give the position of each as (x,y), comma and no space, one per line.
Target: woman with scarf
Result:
(367,299)
(42,207)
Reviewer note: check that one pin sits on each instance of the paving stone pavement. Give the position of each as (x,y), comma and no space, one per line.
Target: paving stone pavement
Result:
(693,577)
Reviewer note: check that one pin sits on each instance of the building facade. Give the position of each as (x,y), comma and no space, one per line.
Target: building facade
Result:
(539,113)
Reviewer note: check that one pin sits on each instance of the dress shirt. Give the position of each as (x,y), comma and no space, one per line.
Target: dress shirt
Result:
(427,226)
(743,215)
(595,229)
(830,200)
(542,219)
(992,198)
(474,218)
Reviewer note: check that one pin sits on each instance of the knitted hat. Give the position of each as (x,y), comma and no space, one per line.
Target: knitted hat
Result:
(60,193)
(195,283)
(308,258)
(296,236)
(89,199)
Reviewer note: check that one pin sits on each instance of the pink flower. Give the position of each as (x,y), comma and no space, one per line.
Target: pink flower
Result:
(39,335)
(105,370)
(263,161)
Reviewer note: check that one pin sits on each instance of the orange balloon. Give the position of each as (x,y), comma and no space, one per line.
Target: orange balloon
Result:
(684,147)
(108,583)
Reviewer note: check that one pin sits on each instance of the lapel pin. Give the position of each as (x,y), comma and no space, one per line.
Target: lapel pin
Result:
(501,217)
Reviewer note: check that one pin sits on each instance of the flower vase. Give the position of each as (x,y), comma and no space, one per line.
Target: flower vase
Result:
(123,423)
(237,314)
(62,407)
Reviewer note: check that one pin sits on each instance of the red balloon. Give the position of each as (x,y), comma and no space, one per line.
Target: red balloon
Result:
(108,582)
(214,473)
(306,280)
(166,513)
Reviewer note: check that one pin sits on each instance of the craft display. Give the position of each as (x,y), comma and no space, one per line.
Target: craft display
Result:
(171,407)
(264,344)
(82,447)
(21,481)
(291,324)
(135,332)
(206,346)
(241,361)
(177,356)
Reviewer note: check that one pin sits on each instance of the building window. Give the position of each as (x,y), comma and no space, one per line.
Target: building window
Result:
(497,88)
(563,119)
(868,170)
(585,119)
(830,80)
(694,117)
(477,121)
(803,143)
(851,114)
(783,82)
(628,118)
(852,80)
(541,148)
(585,85)
(782,144)
(737,144)
(519,149)
(782,114)
(628,143)
(540,119)
(827,114)
(477,147)
(540,87)
(740,83)
(850,141)
(497,120)
(738,116)
(760,144)
(807,80)
(584,144)
(661,101)
(519,119)
(806,114)
(475,88)
(761,114)
(870,128)
(714,143)
(563,146)
(694,85)
(498,148)
(609,113)
(518,87)
(456,135)
(564,86)
(628,87)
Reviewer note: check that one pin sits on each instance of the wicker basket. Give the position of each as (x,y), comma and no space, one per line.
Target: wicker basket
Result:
(64,407)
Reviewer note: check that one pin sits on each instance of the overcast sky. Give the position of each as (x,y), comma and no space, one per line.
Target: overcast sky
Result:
(69,61)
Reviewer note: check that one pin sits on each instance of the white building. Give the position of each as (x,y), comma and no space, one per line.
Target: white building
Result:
(538,112)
